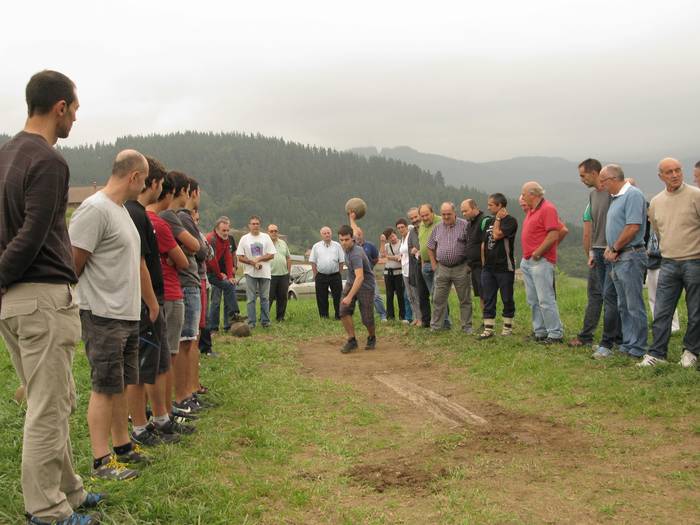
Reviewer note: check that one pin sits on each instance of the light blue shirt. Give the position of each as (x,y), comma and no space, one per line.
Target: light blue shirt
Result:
(627,207)
(327,257)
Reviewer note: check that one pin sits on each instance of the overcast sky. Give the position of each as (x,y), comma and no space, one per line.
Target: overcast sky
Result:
(472,80)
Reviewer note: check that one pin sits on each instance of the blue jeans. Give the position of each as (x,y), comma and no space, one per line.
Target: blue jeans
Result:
(228,289)
(257,286)
(539,289)
(674,277)
(407,302)
(378,302)
(429,279)
(628,277)
(612,330)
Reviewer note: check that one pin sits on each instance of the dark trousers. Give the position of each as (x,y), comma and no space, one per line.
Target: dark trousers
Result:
(612,326)
(493,282)
(279,288)
(424,298)
(594,307)
(394,286)
(323,282)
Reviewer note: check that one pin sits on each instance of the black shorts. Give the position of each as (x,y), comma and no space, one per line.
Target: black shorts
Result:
(366,300)
(154,354)
(476,281)
(112,347)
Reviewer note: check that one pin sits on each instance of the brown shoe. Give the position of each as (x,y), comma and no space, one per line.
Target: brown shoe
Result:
(577,343)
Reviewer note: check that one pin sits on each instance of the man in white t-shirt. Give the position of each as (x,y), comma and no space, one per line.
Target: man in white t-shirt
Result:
(107,255)
(255,251)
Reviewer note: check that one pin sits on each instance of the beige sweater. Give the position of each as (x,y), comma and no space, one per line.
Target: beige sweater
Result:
(675,218)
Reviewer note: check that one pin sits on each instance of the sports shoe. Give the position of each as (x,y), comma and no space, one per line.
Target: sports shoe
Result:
(488,333)
(204,403)
(371,343)
(535,338)
(92,500)
(349,346)
(547,341)
(135,456)
(111,469)
(184,409)
(688,359)
(507,327)
(601,353)
(73,519)
(650,360)
(176,427)
(146,438)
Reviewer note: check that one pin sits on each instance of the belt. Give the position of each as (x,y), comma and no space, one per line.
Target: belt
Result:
(635,248)
(452,265)
(329,274)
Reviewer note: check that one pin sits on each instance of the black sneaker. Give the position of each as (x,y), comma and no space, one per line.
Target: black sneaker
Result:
(371,343)
(135,456)
(166,435)
(174,427)
(184,409)
(146,438)
(194,403)
(349,346)
(113,470)
(204,403)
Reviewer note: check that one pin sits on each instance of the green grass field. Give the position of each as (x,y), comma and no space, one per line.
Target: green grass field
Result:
(595,441)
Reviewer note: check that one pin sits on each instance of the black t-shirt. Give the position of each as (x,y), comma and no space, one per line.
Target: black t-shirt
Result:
(474,240)
(149,245)
(499,254)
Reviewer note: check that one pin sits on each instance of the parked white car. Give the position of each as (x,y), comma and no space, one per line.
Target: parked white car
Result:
(302,282)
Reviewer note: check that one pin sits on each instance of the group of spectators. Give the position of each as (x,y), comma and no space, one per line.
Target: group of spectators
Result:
(132,274)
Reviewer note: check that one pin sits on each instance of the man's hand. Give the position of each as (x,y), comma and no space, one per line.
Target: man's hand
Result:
(153,312)
(382,238)
(414,250)
(232,280)
(502,213)
(223,276)
(433,266)
(591,261)
(346,300)
(352,215)
(610,255)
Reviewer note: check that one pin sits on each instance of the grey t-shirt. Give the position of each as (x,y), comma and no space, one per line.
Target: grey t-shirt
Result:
(600,202)
(110,285)
(354,259)
(189,277)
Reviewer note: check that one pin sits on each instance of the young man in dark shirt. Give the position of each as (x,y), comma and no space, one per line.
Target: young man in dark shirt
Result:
(39,320)
(498,265)
(358,288)
(471,212)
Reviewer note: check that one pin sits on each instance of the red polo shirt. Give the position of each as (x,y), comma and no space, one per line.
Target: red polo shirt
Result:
(538,223)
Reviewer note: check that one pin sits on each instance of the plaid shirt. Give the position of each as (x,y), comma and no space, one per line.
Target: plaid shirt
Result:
(449,242)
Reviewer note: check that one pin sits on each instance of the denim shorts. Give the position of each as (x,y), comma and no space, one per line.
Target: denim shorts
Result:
(193,310)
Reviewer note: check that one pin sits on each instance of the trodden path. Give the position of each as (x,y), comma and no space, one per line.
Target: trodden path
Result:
(450,446)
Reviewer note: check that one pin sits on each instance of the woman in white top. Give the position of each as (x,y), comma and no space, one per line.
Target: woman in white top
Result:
(404,230)
(393,277)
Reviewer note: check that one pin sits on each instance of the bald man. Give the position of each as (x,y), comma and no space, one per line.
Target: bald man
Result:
(674,214)
(107,255)
(327,258)
(539,238)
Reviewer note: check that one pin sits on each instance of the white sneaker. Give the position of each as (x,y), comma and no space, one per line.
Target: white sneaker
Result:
(688,359)
(650,360)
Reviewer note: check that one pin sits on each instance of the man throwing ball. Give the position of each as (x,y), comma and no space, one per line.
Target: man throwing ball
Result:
(359,287)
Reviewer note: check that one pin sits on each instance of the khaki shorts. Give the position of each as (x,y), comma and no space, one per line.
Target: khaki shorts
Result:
(112,347)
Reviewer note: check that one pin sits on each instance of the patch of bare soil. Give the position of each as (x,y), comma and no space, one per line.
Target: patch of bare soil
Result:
(444,437)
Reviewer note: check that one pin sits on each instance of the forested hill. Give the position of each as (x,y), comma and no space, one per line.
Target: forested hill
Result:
(298,187)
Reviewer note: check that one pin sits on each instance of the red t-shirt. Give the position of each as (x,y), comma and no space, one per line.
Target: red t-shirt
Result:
(166,242)
(538,223)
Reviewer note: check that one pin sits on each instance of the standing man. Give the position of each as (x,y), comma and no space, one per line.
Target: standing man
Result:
(358,288)
(109,296)
(221,273)
(624,232)
(279,270)
(498,261)
(415,275)
(447,249)
(38,319)
(675,218)
(428,222)
(372,254)
(154,353)
(256,250)
(326,260)
(474,216)
(539,239)
(601,291)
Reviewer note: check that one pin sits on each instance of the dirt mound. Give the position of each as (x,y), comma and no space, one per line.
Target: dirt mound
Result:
(383,477)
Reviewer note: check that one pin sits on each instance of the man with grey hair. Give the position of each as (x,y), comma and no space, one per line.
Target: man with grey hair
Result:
(539,239)
(327,258)
(447,250)
(415,275)
(624,233)
(675,218)
(221,274)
